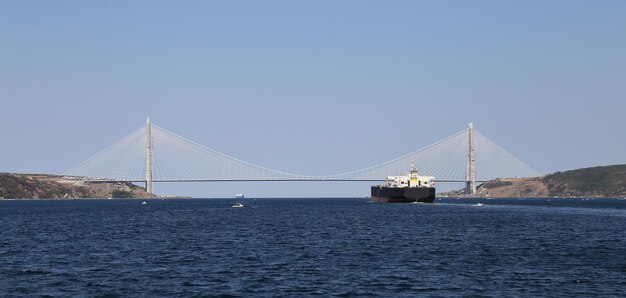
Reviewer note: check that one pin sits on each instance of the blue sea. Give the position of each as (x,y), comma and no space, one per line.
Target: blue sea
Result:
(313,247)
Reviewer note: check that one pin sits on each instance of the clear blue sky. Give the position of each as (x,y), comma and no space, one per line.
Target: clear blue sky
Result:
(311,86)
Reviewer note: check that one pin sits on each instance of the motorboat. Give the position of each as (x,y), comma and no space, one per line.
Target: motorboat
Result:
(238,205)
(478,204)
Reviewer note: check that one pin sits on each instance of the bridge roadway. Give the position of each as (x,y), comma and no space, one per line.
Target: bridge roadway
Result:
(263,180)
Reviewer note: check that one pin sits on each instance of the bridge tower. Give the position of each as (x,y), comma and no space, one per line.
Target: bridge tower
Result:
(148,156)
(470,174)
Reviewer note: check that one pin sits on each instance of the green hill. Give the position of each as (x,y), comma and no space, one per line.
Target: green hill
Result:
(607,181)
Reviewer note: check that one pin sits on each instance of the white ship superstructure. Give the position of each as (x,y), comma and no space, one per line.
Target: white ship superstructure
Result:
(412,179)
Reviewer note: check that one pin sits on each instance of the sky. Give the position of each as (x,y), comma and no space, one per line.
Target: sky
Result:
(312,87)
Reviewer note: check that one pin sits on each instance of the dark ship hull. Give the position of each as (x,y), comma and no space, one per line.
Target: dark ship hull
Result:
(382,194)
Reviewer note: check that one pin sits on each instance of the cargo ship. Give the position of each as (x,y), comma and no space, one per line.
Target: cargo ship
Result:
(405,189)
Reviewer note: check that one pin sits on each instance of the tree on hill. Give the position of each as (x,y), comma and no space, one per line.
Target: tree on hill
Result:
(121,194)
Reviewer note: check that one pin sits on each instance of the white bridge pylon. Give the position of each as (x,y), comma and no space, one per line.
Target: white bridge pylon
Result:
(170,158)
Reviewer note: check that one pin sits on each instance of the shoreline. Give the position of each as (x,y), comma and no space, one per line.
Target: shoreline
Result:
(311,198)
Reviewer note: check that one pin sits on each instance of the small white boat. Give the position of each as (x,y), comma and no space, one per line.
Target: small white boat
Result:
(238,205)
(239,196)
(478,204)
(144,203)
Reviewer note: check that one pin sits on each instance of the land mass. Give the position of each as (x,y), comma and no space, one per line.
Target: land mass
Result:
(39,186)
(604,181)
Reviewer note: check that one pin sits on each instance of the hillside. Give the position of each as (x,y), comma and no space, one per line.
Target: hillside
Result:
(514,188)
(605,181)
(27,186)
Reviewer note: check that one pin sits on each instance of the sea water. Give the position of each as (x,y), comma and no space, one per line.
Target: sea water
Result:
(305,247)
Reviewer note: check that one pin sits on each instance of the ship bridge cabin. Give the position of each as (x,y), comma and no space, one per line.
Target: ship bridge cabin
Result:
(411,180)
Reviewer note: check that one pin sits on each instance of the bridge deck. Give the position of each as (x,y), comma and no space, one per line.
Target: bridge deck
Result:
(259,180)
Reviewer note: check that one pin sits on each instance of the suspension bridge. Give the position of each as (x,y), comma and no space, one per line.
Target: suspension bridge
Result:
(151,154)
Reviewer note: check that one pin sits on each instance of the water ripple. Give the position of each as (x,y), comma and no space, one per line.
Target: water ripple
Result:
(331,247)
